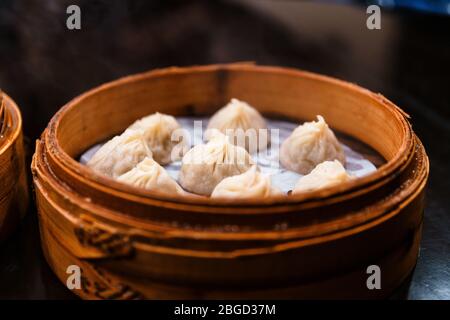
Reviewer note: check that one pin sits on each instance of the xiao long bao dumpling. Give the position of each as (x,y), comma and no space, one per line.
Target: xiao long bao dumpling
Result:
(120,154)
(248,185)
(205,165)
(326,174)
(148,174)
(244,125)
(310,144)
(162,133)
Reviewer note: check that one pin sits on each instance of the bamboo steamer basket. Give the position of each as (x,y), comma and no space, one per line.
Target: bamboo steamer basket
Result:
(132,243)
(13,177)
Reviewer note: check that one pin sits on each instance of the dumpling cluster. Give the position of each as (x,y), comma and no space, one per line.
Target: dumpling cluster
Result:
(148,174)
(205,165)
(243,124)
(310,144)
(248,185)
(326,174)
(222,167)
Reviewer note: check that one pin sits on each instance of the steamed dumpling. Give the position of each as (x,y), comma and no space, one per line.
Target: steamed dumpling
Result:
(250,184)
(148,174)
(158,130)
(205,165)
(310,144)
(243,124)
(326,174)
(120,154)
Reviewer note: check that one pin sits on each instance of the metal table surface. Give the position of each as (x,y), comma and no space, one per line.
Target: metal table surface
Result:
(44,65)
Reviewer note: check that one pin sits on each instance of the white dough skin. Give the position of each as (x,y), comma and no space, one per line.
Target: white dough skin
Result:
(148,174)
(120,154)
(326,174)
(205,165)
(310,144)
(243,124)
(248,185)
(157,130)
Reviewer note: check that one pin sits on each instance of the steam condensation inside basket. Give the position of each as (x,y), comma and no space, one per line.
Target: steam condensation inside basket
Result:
(268,160)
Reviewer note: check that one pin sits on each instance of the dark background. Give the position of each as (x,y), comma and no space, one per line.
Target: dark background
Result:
(43,65)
